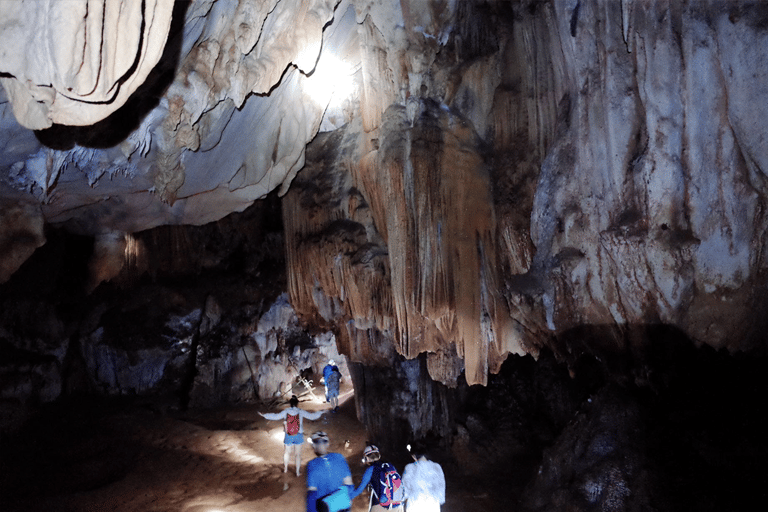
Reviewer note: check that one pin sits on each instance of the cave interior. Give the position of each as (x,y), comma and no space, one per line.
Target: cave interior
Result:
(529,232)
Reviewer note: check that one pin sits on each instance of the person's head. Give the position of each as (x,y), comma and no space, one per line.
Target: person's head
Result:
(371,454)
(320,442)
(294,401)
(331,362)
(417,449)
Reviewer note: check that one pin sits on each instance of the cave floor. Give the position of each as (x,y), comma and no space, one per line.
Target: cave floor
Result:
(134,456)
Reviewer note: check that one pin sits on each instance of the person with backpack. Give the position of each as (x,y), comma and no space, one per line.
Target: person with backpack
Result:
(293,421)
(424,482)
(327,370)
(329,480)
(332,383)
(387,491)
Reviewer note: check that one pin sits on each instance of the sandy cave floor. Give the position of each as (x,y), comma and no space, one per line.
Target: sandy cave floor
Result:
(135,457)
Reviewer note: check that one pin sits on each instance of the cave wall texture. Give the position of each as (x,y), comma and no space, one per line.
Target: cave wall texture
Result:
(509,176)
(519,169)
(185,211)
(566,175)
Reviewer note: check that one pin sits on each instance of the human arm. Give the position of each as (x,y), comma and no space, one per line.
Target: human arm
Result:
(366,480)
(440,484)
(311,415)
(312,483)
(273,415)
(348,481)
(312,500)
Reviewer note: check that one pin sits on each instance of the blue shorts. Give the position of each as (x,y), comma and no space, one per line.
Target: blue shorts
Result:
(294,439)
(333,392)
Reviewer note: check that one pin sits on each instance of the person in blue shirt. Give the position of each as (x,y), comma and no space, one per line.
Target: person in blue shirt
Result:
(387,491)
(332,380)
(327,373)
(327,474)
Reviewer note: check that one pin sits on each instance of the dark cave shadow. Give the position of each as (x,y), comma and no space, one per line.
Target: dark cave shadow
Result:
(703,414)
(72,445)
(115,128)
(705,410)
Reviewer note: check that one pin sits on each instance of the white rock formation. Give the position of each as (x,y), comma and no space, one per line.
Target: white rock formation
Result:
(76,62)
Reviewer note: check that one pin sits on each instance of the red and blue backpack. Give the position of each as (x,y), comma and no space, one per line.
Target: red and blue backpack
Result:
(387,485)
(292,424)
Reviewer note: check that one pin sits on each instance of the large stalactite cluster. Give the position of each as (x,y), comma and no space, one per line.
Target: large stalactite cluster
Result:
(404,244)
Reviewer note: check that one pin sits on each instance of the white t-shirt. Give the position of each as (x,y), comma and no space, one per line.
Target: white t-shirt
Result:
(424,484)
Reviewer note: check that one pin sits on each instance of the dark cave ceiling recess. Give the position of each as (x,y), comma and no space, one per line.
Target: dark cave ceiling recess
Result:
(490,177)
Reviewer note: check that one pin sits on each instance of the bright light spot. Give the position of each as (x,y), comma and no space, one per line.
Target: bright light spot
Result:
(278,435)
(234,449)
(332,79)
(307,58)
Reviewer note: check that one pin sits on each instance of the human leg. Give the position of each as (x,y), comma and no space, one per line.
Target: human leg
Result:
(286,457)
(379,508)
(297,455)
(333,394)
(293,445)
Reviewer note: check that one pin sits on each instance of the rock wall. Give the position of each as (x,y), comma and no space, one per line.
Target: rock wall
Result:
(540,174)
(75,63)
(197,317)
(647,207)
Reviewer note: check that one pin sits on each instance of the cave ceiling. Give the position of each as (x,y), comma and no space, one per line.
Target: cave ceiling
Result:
(481,178)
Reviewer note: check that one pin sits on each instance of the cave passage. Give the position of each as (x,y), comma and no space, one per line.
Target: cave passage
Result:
(134,454)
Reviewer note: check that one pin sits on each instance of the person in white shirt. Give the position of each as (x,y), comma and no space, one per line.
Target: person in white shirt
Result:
(293,421)
(424,482)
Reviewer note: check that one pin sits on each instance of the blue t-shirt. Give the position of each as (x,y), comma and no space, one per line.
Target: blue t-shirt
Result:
(327,473)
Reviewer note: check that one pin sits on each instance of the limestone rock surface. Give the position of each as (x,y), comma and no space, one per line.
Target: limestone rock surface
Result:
(220,121)
(583,174)
(76,62)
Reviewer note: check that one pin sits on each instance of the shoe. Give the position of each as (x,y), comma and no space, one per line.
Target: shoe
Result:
(336,409)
